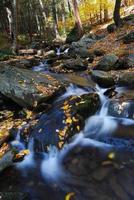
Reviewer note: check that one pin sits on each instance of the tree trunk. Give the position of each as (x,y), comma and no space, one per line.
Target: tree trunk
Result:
(78,22)
(15,26)
(117,18)
(55,18)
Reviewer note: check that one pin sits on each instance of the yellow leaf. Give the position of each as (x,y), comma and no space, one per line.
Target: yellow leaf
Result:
(74,119)
(69,195)
(78,128)
(111,155)
(69,120)
(65,107)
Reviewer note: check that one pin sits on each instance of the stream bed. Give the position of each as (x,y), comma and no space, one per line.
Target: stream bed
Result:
(97,163)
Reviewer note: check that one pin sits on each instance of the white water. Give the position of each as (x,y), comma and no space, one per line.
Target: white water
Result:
(51,167)
(58,51)
(73,90)
(42,67)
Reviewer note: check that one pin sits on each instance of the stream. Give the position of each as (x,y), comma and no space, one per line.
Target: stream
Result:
(51,175)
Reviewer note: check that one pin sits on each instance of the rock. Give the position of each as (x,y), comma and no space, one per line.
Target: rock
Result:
(92,170)
(14,196)
(40,52)
(121,108)
(64,120)
(27,52)
(126,79)
(102,78)
(107,63)
(27,88)
(49,54)
(73,35)
(81,52)
(85,42)
(129,38)
(99,52)
(129,60)
(110,92)
(111,28)
(6,156)
(74,64)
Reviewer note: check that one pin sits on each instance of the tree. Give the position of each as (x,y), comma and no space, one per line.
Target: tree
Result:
(78,23)
(117,18)
(15,26)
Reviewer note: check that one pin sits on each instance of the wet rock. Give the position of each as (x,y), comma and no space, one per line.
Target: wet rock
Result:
(107,63)
(13,196)
(102,78)
(64,120)
(110,92)
(92,168)
(25,87)
(129,38)
(111,28)
(6,156)
(79,80)
(74,64)
(126,79)
(120,108)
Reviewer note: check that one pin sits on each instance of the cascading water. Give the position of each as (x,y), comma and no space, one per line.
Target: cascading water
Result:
(42,67)
(101,124)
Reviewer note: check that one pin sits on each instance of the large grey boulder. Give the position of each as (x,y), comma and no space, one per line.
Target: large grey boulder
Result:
(74,64)
(107,63)
(102,78)
(27,88)
(126,79)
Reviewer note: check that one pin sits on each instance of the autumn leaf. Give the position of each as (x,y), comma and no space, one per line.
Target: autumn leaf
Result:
(111,155)
(69,196)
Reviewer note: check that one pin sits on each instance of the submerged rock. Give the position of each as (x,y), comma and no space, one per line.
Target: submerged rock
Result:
(99,168)
(66,118)
(27,88)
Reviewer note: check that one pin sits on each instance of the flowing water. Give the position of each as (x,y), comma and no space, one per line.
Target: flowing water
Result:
(43,174)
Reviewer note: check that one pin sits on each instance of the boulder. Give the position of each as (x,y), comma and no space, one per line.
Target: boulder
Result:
(126,79)
(74,64)
(27,88)
(129,60)
(73,36)
(129,38)
(81,52)
(99,168)
(85,42)
(64,120)
(102,78)
(107,63)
